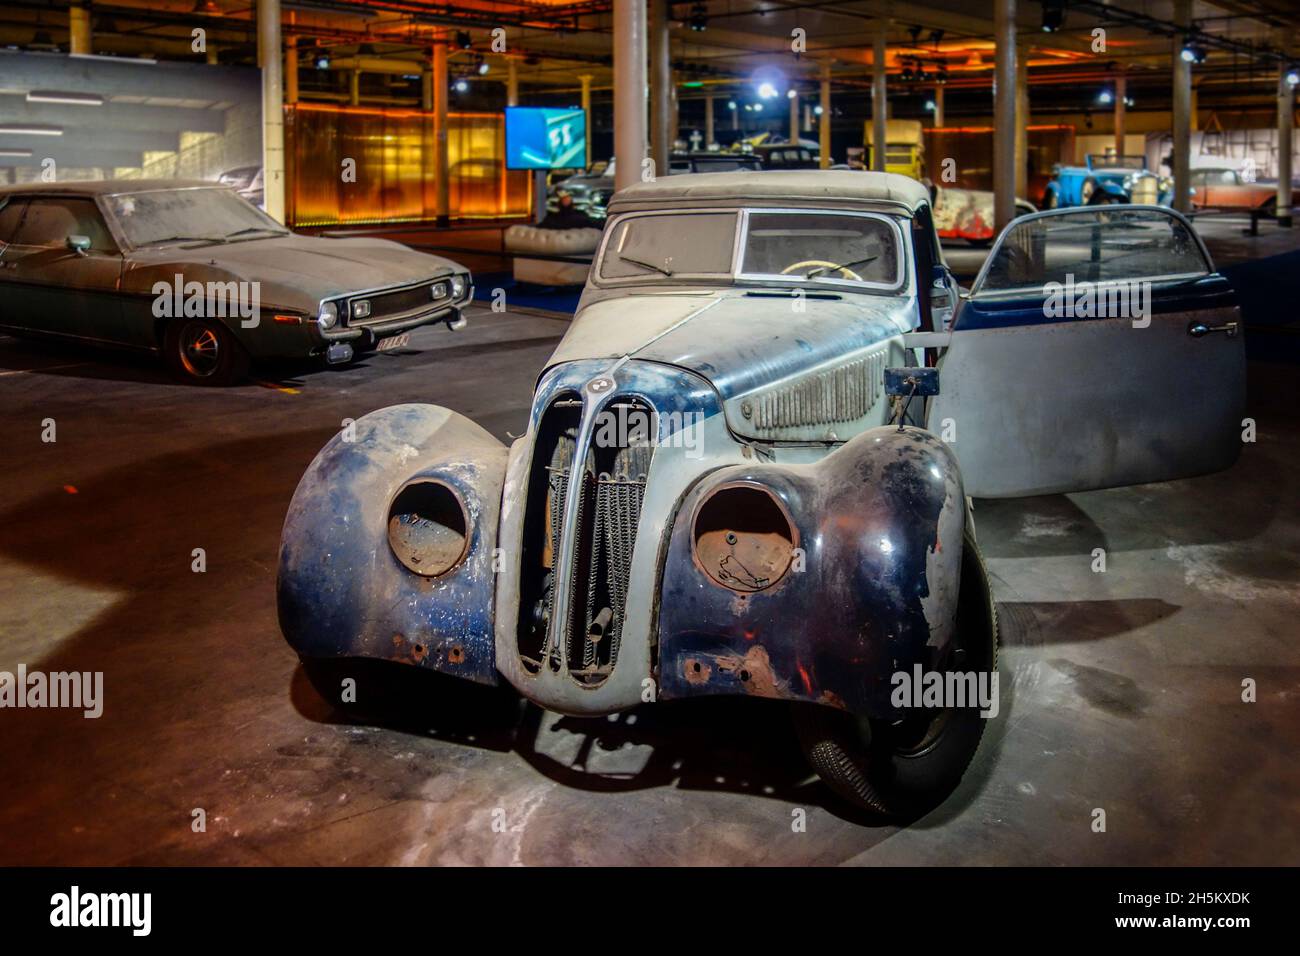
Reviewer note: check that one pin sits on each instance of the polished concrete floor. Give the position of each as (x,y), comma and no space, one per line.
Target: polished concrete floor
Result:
(1121,691)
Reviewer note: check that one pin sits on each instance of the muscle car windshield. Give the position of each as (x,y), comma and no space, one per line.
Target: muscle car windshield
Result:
(778,245)
(1085,246)
(157,216)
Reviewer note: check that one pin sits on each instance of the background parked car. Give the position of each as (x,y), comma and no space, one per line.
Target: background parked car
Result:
(191,270)
(1107,179)
(1224,188)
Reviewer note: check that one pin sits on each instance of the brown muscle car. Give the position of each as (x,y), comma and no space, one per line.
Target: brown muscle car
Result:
(198,274)
(1225,189)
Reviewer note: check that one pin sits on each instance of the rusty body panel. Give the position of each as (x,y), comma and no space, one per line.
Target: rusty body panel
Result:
(341,590)
(879,523)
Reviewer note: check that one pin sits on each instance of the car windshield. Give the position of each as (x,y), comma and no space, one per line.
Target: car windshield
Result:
(160,216)
(1091,246)
(1117,162)
(784,246)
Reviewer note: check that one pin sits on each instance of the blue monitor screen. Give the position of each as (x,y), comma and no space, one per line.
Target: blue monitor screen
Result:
(544,138)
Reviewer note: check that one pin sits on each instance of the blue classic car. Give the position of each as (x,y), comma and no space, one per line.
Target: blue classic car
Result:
(727,485)
(1107,179)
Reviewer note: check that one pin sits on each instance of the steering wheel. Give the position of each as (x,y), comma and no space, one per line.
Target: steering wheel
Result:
(828,266)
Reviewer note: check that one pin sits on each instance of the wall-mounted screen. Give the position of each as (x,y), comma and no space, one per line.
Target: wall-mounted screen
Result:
(544,138)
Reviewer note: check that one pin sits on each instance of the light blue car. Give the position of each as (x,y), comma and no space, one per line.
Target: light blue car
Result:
(1107,179)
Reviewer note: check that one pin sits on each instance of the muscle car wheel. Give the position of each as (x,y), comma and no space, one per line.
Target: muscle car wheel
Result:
(904,768)
(203,352)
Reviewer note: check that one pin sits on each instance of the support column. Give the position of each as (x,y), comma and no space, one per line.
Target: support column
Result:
(268,54)
(1182,146)
(660,80)
(708,121)
(442,209)
(79,30)
(211,56)
(354,87)
(291,70)
(1004,114)
(426,86)
(794,116)
(824,121)
(512,82)
(674,111)
(1285,125)
(585,79)
(1022,121)
(629,90)
(1121,111)
(938,106)
(879,115)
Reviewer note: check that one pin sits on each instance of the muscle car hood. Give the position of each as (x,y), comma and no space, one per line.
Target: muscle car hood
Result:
(294,271)
(738,339)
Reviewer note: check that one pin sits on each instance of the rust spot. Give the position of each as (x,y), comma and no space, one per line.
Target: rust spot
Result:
(832,699)
(696,671)
(419,652)
(397,640)
(755,672)
(70,489)
(456,655)
(807,681)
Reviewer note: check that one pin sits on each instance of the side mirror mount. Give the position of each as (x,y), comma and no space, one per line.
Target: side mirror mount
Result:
(939,275)
(78,244)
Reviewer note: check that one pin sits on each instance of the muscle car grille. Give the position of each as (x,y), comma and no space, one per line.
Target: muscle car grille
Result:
(605,516)
(388,305)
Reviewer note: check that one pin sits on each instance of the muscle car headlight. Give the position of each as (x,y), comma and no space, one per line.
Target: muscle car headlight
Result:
(457,286)
(438,290)
(742,537)
(428,527)
(328,315)
(361,309)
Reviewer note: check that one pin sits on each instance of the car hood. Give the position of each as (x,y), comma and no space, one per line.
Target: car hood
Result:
(738,339)
(294,271)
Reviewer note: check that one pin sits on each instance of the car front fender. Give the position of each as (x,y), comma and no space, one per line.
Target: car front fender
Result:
(342,592)
(874,583)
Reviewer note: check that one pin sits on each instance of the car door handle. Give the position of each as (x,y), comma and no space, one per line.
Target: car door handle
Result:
(1199,329)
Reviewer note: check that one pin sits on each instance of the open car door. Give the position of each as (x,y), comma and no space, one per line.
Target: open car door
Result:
(1098,348)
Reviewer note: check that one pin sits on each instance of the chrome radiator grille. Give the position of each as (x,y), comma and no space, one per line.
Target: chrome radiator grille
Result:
(605,514)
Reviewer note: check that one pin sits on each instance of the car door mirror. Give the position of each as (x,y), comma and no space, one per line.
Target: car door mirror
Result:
(78,244)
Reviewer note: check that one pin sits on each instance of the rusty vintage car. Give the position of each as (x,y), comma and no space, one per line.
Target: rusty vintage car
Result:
(193,271)
(749,464)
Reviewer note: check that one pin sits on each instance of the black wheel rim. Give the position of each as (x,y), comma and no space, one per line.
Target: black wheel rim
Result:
(200,349)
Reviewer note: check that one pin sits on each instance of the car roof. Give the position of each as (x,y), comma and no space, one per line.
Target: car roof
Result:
(838,186)
(106,187)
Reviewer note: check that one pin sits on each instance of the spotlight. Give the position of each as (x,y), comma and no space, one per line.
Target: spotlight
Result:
(766,90)
(1105,97)
(1292,76)
(463,40)
(929,106)
(758,107)
(322,59)
(1053,15)
(483,68)
(936,36)
(1128,101)
(942,76)
(906,75)
(731,104)
(461,85)
(817,110)
(749,108)
(699,18)
(1192,52)
(915,33)
(792,93)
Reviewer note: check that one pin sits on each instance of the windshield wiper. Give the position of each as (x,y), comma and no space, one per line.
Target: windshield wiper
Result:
(244,232)
(648,265)
(158,242)
(822,270)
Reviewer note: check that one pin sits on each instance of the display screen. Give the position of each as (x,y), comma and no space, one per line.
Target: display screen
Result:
(544,138)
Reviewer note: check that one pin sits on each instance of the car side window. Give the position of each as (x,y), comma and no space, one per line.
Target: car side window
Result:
(11,214)
(49,222)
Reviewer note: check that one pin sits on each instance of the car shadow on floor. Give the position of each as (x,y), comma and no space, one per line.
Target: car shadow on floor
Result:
(740,745)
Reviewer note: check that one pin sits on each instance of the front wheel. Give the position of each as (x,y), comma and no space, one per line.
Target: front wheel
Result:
(202,352)
(903,768)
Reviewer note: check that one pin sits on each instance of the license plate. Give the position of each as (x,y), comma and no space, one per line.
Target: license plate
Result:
(394,342)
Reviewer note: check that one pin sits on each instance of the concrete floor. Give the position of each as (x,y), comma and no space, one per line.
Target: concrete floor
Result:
(1121,690)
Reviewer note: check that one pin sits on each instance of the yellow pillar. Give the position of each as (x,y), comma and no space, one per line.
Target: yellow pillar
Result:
(443,209)
(79,29)
(585,79)
(291,69)
(824,121)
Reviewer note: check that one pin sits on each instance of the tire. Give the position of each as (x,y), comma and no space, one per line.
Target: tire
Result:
(202,352)
(865,763)
(1050,200)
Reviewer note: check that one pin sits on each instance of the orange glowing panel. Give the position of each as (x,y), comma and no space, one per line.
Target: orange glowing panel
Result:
(393,158)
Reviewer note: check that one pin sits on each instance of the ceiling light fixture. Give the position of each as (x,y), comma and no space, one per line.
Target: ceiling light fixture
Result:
(69,99)
(30,129)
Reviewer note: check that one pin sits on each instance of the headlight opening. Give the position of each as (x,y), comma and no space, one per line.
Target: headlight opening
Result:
(742,537)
